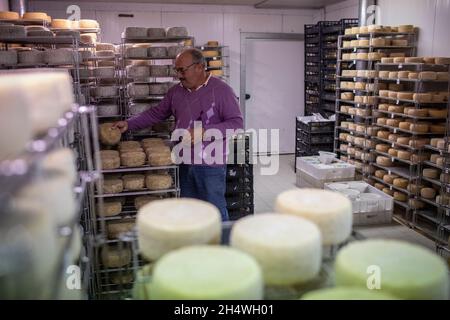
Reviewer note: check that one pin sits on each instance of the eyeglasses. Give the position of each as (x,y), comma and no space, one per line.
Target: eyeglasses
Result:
(184,69)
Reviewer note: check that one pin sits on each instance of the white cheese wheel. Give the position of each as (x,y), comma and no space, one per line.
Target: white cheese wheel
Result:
(287,257)
(428,75)
(431,173)
(61,24)
(88,24)
(135,32)
(384,161)
(136,53)
(138,72)
(334,218)
(159,71)
(420,128)
(173,51)
(138,90)
(158,88)
(166,225)
(115,229)
(133,182)
(141,201)
(207,273)
(158,181)
(157,52)
(132,159)
(109,135)
(9,32)
(176,32)
(8,58)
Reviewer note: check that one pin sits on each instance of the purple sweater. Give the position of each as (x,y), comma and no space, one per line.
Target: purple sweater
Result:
(214,104)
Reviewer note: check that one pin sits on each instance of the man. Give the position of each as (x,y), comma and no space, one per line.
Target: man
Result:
(199,98)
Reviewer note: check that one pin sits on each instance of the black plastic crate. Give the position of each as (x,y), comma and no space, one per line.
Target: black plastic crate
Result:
(316,126)
(349,22)
(239,185)
(239,171)
(311,29)
(306,138)
(241,200)
(236,214)
(312,150)
(330,26)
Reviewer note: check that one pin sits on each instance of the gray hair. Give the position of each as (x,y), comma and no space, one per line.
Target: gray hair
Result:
(197,56)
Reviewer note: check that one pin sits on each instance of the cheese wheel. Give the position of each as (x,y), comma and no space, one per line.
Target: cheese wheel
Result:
(141,201)
(347,96)
(404,125)
(414,60)
(395,109)
(138,90)
(138,71)
(388,191)
(112,185)
(136,53)
(397,55)
(403,140)
(403,74)
(441,144)
(428,75)
(334,221)
(380,174)
(354,43)
(346,56)
(393,152)
(362,56)
(127,145)
(399,43)
(393,94)
(115,229)
(389,178)
(399,196)
(109,135)
(344,109)
(384,161)
(431,173)
(393,122)
(379,186)
(405,95)
(353,260)
(210,53)
(382,121)
(395,87)
(158,181)
(104,91)
(434,158)
(135,32)
(383,107)
(393,75)
(401,183)
(404,155)
(437,113)
(343,136)
(110,208)
(371,73)
(416,158)
(386,60)
(9,15)
(359,99)
(418,143)
(440,60)
(355,30)
(9,58)
(383,134)
(416,204)
(115,257)
(364,43)
(442,76)
(279,258)
(418,112)
(399,60)
(393,137)
(88,24)
(61,24)
(384,93)
(428,193)
(378,42)
(413,75)
(375,56)
(437,129)
(215,63)
(104,46)
(109,162)
(420,128)
(133,182)
(361,128)
(352,126)
(207,273)
(440,161)
(132,159)
(166,225)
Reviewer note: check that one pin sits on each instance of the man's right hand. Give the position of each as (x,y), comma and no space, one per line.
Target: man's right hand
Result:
(121,125)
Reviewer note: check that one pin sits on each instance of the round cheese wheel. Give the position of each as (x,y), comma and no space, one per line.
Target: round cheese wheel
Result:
(443,76)
(347,96)
(401,183)
(388,191)
(386,60)
(416,204)
(403,74)
(418,143)
(136,53)
(405,95)
(170,224)
(112,185)
(383,134)
(437,113)
(403,140)
(441,144)
(115,257)
(88,24)
(414,60)
(393,75)
(419,128)
(383,107)
(132,159)
(176,32)
(361,73)
(428,75)
(277,257)
(355,30)
(399,196)
(416,158)
(441,60)
(9,15)
(127,145)
(399,43)
(395,109)
(393,122)
(382,121)
(393,137)
(399,60)
(393,94)
(371,73)
(354,43)
(428,193)
(393,152)
(362,56)
(334,221)
(344,124)
(418,112)
(440,161)
(104,91)
(431,173)
(353,260)
(138,71)
(434,158)
(109,135)
(141,201)
(110,208)
(344,109)
(33,57)
(404,155)
(375,56)
(207,273)
(382,148)
(61,24)
(384,161)
(352,126)
(104,46)
(133,182)
(379,186)
(115,229)
(136,32)
(378,42)
(438,129)
(380,174)
(384,93)
(359,99)
(215,63)
(343,136)
(389,178)
(158,181)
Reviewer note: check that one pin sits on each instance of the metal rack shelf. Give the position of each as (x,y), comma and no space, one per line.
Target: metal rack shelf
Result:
(141,168)
(46,40)
(400,171)
(159,40)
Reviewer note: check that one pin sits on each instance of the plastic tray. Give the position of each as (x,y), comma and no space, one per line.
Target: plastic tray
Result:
(337,170)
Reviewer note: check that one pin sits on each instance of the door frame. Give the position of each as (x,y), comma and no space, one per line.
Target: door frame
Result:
(243,72)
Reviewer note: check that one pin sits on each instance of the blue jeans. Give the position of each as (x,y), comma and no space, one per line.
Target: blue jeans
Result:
(205,183)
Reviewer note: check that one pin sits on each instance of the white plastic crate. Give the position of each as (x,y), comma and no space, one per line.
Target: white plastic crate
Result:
(336,170)
(305,180)
(366,212)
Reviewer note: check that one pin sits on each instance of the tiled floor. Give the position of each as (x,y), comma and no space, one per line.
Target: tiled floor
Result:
(268,187)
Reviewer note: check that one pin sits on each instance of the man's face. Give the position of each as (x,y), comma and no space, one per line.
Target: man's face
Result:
(187,72)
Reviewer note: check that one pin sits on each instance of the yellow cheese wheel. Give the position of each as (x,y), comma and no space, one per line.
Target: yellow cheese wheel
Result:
(393,152)
(413,75)
(437,128)
(404,155)
(380,174)
(384,161)
(375,56)
(212,43)
(403,74)
(355,30)
(400,43)
(382,121)
(396,109)
(441,60)
(35,16)
(418,112)
(9,15)
(405,95)
(378,42)
(215,63)
(393,122)
(364,43)
(352,126)
(382,147)
(428,193)
(379,186)
(403,140)
(344,109)
(88,24)
(350,138)
(393,94)
(406,28)
(420,128)
(363,112)
(210,53)
(404,125)
(389,178)
(401,183)
(434,142)
(388,191)
(346,44)
(438,98)
(359,85)
(413,60)
(383,134)
(399,60)
(422,97)
(383,107)
(349,73)
(61,24)
(399,196)
(359,99)
(431,173)
(418,143)
(217,72)
(375,28)
(348,31)
(393,75)
(347,96)
(354,43)
(362,56)
(384,93)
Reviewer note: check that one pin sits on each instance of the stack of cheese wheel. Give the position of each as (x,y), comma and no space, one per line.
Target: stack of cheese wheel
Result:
(407,271)
(169,224)
(288,248)
(334,217)
(206,273)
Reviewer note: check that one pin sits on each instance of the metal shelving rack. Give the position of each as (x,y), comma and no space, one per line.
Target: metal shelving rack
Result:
(347,110)
(312,68)
(224,56)
(412,170)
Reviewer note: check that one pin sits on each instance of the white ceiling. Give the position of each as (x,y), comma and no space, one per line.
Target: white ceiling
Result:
(263,4)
